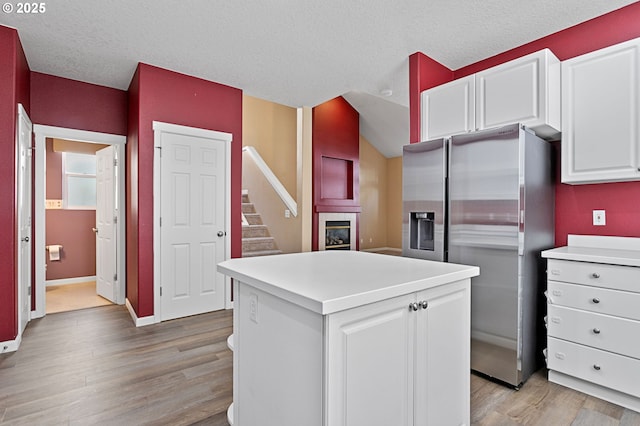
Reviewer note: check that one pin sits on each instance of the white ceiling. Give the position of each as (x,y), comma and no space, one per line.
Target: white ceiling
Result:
(293,52)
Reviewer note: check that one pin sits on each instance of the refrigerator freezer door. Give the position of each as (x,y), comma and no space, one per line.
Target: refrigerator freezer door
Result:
(484,206)
(424,202)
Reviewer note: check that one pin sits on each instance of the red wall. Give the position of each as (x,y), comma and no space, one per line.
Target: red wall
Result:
(574,203)
(156,94)
(9,70)
(336,166)
(61,102)
(69,228)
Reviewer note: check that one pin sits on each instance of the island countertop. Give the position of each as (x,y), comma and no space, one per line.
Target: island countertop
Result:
(330,281)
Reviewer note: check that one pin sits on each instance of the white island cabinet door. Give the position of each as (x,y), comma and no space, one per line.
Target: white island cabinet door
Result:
(443,356)
(601,115)
(448,109)
(370,364)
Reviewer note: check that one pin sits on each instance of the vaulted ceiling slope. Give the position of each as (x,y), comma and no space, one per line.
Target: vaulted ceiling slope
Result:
(297,53)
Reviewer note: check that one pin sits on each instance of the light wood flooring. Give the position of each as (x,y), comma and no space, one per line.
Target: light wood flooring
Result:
(70,297)
(93,366)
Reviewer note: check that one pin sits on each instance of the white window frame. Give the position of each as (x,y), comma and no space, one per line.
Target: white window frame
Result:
(65,183)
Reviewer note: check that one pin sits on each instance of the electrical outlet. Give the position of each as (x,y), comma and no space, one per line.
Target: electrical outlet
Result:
(253,307)
(599,218)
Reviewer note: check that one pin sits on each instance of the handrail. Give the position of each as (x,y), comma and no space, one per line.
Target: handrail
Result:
(273,180)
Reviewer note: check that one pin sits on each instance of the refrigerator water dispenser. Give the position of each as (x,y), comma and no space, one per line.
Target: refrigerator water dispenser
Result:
(422,230)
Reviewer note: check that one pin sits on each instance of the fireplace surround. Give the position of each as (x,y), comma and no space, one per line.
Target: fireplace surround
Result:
(337,231)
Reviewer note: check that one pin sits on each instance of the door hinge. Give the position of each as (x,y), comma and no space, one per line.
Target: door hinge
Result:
(29,291)
(160,148)
(115,219)
(115,277)
(115,162)
(160,221)
(160,291)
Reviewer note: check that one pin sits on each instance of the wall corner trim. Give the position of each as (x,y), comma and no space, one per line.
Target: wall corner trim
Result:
(139,322)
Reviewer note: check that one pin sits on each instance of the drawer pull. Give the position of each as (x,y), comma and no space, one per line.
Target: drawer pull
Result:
(596,367)
(595,300)
(595,275)
(596,331)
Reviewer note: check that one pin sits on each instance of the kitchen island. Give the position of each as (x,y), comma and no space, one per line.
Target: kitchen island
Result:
(350,338)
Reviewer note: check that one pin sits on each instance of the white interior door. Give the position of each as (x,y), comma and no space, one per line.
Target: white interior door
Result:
(106,241)
(192,221)
(24,128)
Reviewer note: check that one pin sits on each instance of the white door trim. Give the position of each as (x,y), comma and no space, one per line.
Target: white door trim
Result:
(41,133)
(158,128)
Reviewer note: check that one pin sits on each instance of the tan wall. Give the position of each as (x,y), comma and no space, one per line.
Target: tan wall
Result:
(394,202)
(287,232)
(373,197)
(272,130)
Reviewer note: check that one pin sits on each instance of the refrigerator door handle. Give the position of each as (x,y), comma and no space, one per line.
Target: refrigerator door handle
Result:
(521,222)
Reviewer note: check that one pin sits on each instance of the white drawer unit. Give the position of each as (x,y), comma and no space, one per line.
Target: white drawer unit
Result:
(596,330)
(601,367)
(595,274)
(593,317)
(625,304)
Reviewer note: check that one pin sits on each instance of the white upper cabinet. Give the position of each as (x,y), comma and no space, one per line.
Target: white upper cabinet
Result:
(601,122)
(525,90)
(448,109)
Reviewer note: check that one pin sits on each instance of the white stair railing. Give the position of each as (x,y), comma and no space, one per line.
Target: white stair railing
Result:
(273,180)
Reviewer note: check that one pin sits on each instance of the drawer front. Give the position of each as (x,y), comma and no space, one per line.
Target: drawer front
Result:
(595,274)
(595,299)
(605,332)
(604,368)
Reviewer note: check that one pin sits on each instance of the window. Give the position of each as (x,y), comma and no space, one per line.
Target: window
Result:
(78,181)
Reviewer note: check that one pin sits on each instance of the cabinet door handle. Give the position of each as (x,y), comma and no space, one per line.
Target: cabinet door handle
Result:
(424,304)
(596,367)
(596,331)
(595,275)
(595,300)
(413,306)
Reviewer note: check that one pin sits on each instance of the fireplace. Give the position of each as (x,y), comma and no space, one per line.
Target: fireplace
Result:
(337,231)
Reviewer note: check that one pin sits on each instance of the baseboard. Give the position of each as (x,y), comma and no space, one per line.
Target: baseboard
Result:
(139,322)
(10,345)
(66,281)
(383,249)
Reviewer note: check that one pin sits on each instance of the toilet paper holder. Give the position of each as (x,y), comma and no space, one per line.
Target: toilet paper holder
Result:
(59,246)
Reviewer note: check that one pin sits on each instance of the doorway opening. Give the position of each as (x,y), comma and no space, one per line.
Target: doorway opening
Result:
(79,219)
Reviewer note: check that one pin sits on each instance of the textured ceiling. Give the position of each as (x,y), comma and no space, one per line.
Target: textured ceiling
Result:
(294,52)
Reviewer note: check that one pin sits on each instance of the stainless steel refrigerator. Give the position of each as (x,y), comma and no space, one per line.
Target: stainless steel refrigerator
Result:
(487,199)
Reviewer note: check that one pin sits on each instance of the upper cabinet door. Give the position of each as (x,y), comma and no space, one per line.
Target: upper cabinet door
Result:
(525,90)
(601,122)
(448,109)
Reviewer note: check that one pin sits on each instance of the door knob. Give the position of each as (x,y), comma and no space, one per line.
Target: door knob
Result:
(95,230)
(220,234)
(25,239)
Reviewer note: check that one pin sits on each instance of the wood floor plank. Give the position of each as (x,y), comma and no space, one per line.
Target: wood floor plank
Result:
(94,367)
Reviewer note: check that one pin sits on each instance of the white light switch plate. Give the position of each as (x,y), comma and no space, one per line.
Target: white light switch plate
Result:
(599,218)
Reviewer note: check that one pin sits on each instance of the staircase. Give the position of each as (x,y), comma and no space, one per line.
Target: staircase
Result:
(256,240)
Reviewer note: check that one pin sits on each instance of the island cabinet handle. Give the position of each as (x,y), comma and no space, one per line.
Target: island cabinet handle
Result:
(596,367)
(596,331)
(413,306)
(595,300)
(595,275)
(424,304)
